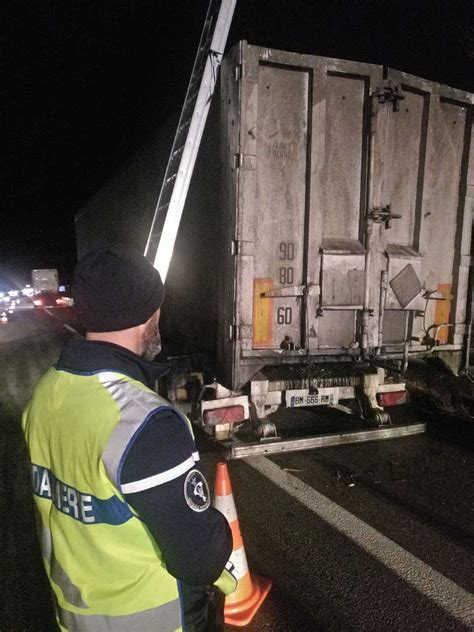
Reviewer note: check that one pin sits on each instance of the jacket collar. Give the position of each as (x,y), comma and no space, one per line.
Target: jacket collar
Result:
(90,356)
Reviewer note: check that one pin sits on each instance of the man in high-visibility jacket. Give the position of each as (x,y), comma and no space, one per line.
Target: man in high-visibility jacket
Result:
(129,540)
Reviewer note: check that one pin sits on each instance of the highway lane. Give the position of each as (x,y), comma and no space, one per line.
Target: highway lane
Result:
(28,345)
(366,537)
(355,557)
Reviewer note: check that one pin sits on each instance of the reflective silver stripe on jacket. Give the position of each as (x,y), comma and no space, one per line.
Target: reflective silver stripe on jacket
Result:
(158,479)
(71,592)
(135,406)
(165,618)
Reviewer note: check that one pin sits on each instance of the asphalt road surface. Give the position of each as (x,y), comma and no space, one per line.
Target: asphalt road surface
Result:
(372,537)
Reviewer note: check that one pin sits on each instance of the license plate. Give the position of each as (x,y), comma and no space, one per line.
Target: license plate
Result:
(303,397)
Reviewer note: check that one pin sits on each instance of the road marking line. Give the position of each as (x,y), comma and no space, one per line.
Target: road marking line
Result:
(425,579)
(69,328)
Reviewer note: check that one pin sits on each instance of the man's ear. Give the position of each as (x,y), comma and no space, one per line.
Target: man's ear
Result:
(154,318)
(141,328)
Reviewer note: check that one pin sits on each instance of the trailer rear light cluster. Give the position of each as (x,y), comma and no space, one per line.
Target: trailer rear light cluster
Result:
(394,398)
(224,415)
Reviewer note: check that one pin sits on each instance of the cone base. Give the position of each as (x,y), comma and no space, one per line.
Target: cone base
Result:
(242,612)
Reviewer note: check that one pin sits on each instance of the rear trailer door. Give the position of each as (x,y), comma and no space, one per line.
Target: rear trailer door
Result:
(419,223)
(341,133)
(301,196)
(311,171)
(282,172)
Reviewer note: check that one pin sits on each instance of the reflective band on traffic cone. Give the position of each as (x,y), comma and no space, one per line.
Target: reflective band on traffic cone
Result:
(241,606)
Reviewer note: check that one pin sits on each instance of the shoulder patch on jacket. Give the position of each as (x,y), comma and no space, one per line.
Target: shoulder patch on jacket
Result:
(196,491)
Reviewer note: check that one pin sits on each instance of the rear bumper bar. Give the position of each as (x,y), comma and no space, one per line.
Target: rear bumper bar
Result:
(239,450)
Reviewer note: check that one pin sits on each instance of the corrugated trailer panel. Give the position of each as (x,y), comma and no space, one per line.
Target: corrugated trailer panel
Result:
(194,285)
(229,147)
(123,209)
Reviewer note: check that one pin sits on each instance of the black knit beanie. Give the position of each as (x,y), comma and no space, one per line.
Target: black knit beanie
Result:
(115,288)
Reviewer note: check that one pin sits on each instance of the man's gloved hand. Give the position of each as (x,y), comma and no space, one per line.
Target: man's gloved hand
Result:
(227,582)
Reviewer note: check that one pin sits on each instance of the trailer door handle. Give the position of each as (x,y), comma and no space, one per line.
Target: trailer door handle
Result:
(292,290)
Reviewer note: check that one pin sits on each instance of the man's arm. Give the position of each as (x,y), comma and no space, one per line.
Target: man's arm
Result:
(165,486)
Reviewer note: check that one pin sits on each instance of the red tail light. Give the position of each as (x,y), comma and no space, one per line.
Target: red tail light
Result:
(37,302)
(392,399)
(224,415)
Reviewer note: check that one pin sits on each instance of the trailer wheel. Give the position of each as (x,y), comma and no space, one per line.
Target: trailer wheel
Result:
(266,430)
(261,426)
(369,412)
(381,418)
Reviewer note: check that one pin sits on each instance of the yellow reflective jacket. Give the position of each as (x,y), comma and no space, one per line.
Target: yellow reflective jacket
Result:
(106,570)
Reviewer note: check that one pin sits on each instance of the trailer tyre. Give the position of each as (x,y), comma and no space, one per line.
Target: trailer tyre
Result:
(382,418)
(266,430)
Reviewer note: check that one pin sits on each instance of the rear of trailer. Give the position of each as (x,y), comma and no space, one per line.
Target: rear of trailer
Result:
(326,234)
(44,280)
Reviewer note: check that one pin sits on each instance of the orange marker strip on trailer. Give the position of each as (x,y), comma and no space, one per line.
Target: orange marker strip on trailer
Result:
(442,312)
(262,314)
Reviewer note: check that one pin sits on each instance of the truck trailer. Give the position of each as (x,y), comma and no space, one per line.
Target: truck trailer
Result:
(44,280)
(325,240)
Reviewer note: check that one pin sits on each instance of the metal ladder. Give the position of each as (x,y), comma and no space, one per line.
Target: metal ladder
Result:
(169,208)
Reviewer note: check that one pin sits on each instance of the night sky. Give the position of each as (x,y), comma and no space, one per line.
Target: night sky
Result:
(84,82)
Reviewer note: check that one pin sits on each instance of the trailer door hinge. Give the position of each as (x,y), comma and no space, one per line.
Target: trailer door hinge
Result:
(382,215)
(234,332)
(242,248)
(239,72)
(240,332)
(238,160)
(388,94)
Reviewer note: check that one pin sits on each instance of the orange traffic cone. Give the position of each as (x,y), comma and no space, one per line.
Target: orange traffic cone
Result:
(241,606)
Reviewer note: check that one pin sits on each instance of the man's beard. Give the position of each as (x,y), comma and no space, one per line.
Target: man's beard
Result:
(151,342)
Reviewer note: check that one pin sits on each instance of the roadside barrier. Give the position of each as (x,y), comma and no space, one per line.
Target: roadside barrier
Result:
(241,606)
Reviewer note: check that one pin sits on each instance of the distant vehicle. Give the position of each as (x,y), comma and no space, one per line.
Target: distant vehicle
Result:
(45,280)
(50,299)
(9,312)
